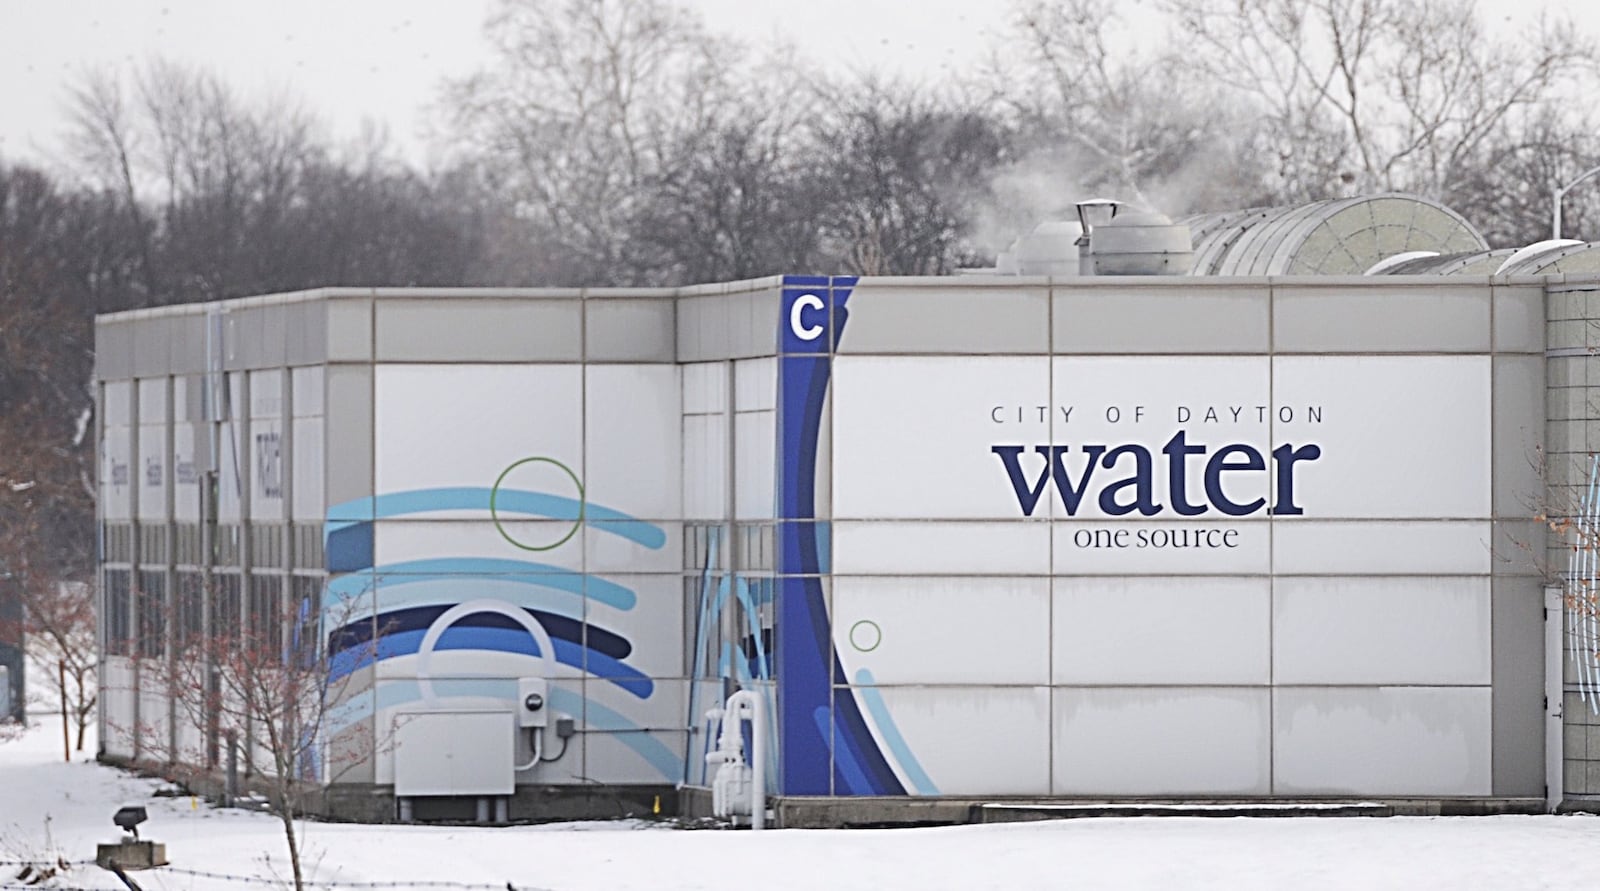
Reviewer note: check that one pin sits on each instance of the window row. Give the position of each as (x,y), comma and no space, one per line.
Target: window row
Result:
(271,545)
(248,615)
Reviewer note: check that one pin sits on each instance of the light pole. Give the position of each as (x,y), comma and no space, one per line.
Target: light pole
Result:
(1555,200)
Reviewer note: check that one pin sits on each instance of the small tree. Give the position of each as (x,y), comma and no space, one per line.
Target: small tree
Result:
(57,625)
(262,676)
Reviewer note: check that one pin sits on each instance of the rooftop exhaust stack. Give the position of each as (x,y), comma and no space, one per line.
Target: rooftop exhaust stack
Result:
(1120,241)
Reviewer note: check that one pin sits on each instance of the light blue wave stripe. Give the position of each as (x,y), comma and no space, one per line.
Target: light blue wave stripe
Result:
(511,501)
(595,716)
(465,570)
(891,734)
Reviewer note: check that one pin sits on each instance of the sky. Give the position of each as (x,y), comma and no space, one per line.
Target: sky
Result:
(363,62)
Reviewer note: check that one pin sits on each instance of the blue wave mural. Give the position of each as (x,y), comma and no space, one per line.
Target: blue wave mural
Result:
(409,598)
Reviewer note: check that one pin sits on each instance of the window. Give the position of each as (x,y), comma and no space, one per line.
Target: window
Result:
(191,609)
(116,615)
(152,608)
(266,612)
(225,608)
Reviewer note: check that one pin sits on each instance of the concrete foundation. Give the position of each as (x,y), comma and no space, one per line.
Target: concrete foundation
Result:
(130,854)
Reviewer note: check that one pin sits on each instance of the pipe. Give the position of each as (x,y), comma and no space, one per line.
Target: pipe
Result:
(746,704)
(537,736)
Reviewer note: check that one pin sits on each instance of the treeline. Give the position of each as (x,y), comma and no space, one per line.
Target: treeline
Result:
(620,142)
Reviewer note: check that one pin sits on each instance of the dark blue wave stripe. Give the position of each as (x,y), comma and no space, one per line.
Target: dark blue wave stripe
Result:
(498,640)
(357,634)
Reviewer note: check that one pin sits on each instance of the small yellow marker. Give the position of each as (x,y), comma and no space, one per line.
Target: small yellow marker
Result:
(657,808)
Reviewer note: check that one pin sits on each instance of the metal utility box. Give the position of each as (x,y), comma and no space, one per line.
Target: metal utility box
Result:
(454,753)
(533,702)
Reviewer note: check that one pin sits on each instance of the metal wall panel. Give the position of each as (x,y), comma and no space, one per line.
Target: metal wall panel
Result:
(1312,316)
(1200,317)
(467,330)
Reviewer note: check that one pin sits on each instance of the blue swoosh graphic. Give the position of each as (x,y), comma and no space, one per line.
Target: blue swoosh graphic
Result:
(891,734)
(464,570)
(499,640)
(513,501)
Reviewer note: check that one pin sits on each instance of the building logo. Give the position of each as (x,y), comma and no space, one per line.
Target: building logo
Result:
(1128,484)
(804,305)
(269,464)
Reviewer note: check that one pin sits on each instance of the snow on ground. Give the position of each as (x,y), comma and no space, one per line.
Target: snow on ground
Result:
(71,804)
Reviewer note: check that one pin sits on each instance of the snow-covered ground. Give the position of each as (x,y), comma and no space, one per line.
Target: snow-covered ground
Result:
(48,807)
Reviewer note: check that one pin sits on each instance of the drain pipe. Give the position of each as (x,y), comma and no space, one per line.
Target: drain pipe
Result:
(744,705)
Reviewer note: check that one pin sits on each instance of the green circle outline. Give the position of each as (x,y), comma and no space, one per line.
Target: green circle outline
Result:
(494,513)
(875,626)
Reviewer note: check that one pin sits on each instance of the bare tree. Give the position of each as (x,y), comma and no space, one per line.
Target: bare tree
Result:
(257,675)
(1102,109)
(1358,96)
(900,176)
(56,620)
(234,195)
(47,255)
(581,108)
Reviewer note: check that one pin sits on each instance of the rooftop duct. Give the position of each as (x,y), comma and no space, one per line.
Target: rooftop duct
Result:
(1343,236)
(1131,242)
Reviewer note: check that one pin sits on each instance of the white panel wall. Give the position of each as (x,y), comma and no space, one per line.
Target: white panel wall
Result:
(310,500)
(970,740)
(940,547)
(1403,436)
(1180,650)
(153,471)
(756,384)
(1424,548)
(705,474)
(632,417)
(268,450)
(233,474)
(755,460)
(1382,741)
(116,453)
(943,630)
(1381,631)
(705,441)
(406,539)
(190,448)
(462,425)
(1162,741)
(1161,631)
(912,436)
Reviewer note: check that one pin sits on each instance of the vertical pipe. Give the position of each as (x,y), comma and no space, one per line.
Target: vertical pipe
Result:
(758,759)
(231,790)
(66,734)
(1554,782)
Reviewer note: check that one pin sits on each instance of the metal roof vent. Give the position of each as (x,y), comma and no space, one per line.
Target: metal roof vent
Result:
(1050,249)
(1120,241)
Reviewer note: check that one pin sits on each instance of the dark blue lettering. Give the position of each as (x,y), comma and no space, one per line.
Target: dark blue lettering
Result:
(1177,451)
(1141,481)
(1027,496)
(1286,456)
(1070,494)
(1219,462)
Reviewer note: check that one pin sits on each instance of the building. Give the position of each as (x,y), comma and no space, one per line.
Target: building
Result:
(13,664)
(1264,535)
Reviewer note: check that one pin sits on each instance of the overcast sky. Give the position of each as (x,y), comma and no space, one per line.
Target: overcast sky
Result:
(382,60)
